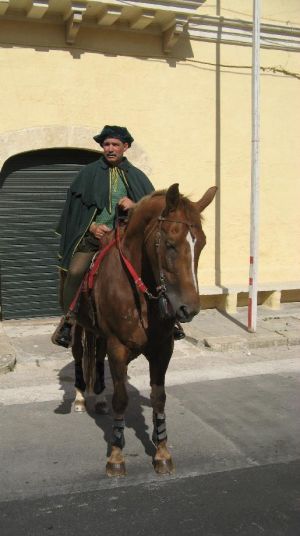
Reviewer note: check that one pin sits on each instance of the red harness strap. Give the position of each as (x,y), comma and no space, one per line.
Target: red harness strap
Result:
(136,278)
(88,280)
(95,266)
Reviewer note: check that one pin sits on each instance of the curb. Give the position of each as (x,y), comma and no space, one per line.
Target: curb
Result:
(7,363)
(7,354)
(221,333)
(234,342)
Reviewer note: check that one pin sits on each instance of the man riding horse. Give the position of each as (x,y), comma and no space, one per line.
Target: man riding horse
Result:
(90,213)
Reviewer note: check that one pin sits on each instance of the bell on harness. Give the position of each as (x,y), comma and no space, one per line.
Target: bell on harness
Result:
(178,332)
(165,309)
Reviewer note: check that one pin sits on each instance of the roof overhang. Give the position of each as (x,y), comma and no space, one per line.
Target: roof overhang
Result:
(169,18)
(240,32)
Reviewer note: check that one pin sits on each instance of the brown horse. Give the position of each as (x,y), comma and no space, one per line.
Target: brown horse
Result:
(146,282)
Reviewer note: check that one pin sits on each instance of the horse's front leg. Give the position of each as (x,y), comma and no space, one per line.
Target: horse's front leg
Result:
(118,359)
(163,463)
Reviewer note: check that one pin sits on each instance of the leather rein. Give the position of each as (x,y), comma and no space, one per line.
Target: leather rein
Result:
(161,288)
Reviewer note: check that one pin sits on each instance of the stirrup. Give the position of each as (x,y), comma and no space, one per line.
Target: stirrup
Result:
(64,333)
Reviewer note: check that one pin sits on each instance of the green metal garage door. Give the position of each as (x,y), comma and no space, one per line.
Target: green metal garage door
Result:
(32,193)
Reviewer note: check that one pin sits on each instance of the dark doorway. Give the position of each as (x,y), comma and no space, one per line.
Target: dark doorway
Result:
(33,189)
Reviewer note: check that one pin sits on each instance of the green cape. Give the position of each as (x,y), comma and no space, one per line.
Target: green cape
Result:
(88,194)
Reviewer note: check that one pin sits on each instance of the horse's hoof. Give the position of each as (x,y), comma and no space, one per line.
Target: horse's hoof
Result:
(164,467)
(101,408)
(115,469)
(79,406)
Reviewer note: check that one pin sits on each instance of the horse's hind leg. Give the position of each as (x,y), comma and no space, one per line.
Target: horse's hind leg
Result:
(163,463)
(77,351)
(101,406)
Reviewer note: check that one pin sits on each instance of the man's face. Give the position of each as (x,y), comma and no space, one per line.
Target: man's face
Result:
(114,150)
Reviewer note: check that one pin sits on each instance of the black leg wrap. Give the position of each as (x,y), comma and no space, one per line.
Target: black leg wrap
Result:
(159,428)
(118,439)
(99,385)
(79,381)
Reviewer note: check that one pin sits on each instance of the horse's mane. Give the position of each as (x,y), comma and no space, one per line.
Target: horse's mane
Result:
(185,203)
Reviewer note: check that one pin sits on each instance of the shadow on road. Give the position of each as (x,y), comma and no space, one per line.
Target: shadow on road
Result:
(66,378)
(134,417)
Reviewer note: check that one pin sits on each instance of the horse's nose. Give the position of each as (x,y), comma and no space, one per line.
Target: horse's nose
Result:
(186,313)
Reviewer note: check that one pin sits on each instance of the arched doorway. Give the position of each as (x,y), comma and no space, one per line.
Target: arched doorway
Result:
(33,188)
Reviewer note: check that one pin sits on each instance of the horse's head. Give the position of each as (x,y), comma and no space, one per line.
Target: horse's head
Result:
(175,249)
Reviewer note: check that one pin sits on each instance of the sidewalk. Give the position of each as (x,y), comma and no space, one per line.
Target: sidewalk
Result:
(211,330)
(219,331)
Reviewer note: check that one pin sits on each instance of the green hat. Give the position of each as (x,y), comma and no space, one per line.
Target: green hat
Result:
(121,133)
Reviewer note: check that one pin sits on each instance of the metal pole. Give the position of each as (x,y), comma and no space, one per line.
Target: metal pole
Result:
(253,265)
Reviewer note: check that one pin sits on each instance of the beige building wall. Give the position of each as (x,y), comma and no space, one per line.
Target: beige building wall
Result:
(189,112)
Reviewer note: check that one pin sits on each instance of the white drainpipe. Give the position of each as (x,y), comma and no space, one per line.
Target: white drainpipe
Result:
(254,222)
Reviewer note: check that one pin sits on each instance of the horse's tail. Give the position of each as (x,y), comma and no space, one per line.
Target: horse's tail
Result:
(89,359)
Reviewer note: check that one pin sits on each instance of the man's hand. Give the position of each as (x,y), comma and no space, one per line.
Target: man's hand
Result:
(125,203)
(99,230)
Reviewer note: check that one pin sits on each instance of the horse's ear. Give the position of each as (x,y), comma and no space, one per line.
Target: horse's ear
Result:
(207,198)
(172,198)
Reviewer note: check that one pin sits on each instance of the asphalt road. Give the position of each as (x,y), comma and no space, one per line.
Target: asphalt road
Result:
(234,439)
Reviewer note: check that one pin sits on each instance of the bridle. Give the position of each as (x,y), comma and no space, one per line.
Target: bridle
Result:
(161,287)
(162,283)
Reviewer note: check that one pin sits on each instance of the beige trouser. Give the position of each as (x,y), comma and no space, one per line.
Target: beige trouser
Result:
(79,264)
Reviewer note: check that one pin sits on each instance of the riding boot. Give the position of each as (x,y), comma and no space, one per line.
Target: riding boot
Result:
(178,332)
(64,333)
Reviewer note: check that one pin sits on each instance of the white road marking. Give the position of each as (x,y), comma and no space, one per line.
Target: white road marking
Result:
(57,392)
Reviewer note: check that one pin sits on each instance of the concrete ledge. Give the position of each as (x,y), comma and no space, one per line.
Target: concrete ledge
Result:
(269,293)
(237,288)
